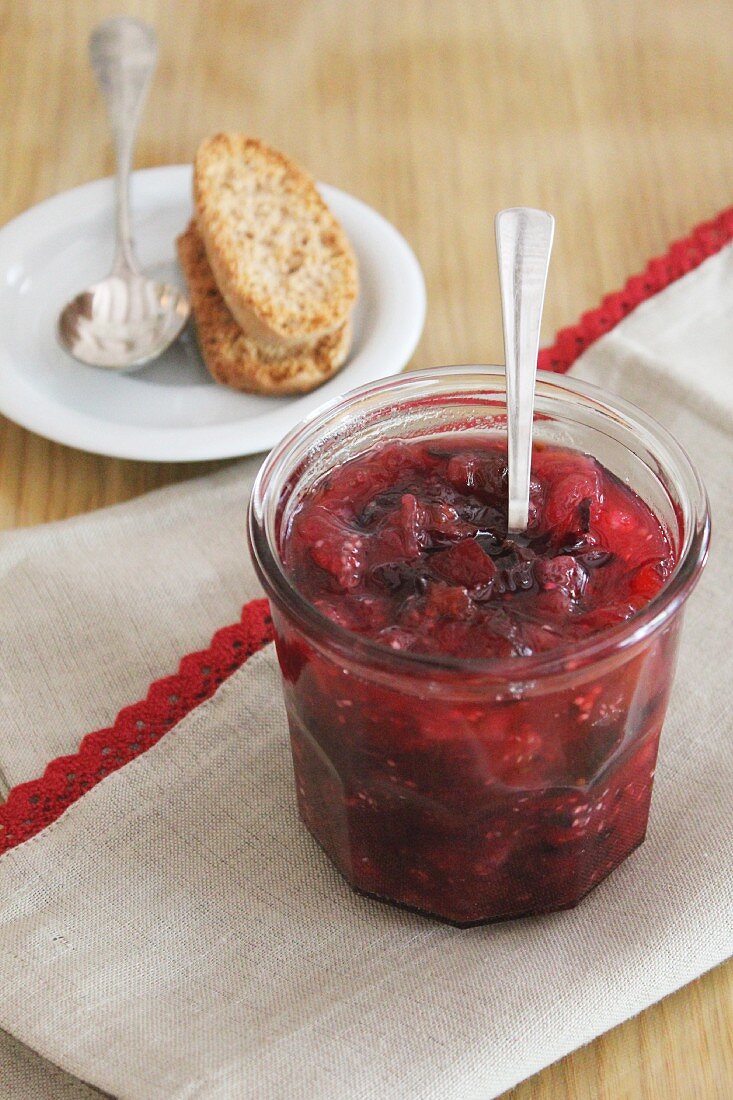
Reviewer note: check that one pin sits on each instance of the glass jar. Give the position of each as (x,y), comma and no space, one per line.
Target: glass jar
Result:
(476,790)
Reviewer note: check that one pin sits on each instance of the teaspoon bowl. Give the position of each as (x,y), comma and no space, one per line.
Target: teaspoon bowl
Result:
(122,322)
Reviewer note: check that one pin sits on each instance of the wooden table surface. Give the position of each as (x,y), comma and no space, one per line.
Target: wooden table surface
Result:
(613,114)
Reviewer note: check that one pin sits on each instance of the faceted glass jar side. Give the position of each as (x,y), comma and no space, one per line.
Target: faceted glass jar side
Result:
(475,805)
(476,791)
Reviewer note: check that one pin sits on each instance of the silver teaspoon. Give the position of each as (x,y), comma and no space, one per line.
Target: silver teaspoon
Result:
(523,245)
(127,319)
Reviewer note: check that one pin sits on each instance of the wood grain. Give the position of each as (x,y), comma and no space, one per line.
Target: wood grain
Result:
(613,114)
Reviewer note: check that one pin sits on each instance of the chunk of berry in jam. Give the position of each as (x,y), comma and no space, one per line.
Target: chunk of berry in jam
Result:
(572,502)
(336,549)
(646,581)
(465,564)
(479,472)
(564,572)
(466,800)
(449,601)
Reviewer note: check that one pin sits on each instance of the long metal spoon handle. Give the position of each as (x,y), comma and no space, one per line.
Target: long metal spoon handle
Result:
(523,244)
(123,53)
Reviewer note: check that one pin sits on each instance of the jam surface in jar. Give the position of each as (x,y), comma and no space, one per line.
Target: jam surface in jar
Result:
(407,545)
(491,805)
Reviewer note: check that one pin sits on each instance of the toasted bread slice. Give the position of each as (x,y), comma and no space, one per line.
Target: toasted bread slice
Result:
(280,258)
(234,358)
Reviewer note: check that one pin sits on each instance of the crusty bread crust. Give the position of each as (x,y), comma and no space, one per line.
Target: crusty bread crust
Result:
(234,358)
(280,258)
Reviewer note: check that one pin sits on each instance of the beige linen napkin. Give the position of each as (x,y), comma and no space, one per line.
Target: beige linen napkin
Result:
(97,607)
(177,933)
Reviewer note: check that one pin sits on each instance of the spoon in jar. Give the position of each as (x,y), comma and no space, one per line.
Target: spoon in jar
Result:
(523,246)
(127,319)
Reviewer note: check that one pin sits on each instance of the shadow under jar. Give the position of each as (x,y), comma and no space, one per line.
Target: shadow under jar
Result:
(475,790)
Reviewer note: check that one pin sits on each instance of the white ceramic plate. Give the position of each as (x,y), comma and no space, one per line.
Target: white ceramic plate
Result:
(171,410)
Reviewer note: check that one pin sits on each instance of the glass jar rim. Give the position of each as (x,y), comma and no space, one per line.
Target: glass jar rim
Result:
(356,648)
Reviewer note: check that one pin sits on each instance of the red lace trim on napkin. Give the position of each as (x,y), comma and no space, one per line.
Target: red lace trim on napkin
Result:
(682,257)
(31,806)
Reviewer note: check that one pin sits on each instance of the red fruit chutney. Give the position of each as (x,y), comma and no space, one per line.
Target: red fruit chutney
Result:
(487,804)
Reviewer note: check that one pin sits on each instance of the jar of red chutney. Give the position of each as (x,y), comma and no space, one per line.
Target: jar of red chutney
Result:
(475,720)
